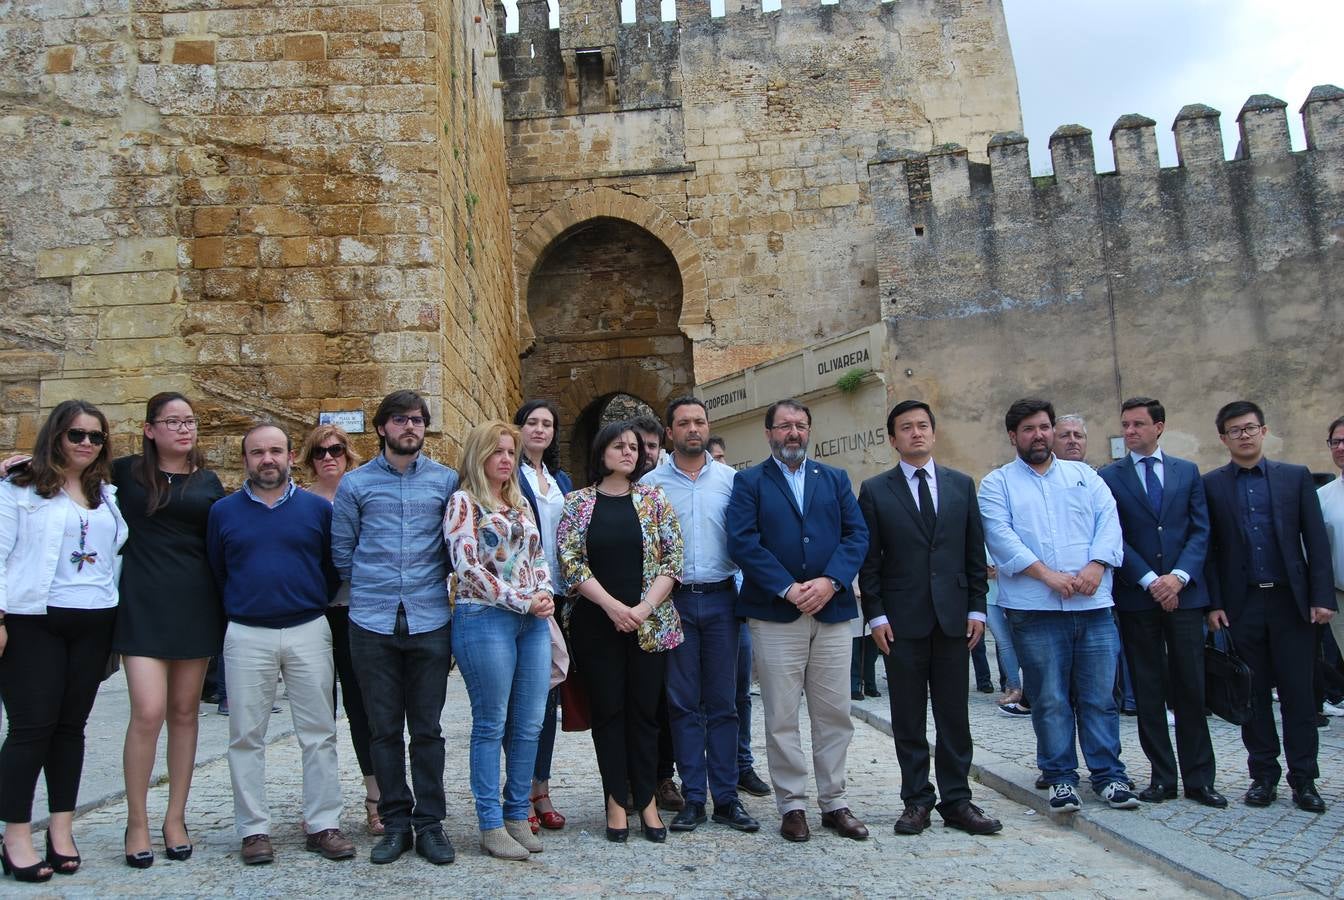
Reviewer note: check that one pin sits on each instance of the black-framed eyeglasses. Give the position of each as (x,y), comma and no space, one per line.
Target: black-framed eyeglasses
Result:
(786,427)
(335,451)
(177,424)
(80,435)
(1335,443)
(1244,431)
(403,421)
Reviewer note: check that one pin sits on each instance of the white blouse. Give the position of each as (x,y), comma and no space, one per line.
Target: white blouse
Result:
(549,507)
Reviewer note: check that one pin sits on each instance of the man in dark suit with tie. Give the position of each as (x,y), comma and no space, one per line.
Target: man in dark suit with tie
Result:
(796,532)
(923,584)
(1161,597)
(1271,595)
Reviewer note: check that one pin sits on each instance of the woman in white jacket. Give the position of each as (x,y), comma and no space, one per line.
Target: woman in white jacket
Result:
(60,531)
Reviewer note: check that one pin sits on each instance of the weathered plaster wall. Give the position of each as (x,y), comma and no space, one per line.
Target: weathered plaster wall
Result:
(275,209)
(1211,281)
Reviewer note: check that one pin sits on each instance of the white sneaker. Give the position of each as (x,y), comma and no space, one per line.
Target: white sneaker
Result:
(1331,709)
(1118,796)
(1064,799)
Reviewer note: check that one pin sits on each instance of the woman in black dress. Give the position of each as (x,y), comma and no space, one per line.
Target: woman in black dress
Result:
(170,621)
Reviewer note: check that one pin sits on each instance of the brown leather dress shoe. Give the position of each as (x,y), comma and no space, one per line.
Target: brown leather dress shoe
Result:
(914,820)
(330,843)
(794,827)
(842,821)
(257,850)
(668,797)
(970,818)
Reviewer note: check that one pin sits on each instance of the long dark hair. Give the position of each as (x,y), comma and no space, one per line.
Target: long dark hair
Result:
(45,471)
(550,457)
(147,466)
(597,467)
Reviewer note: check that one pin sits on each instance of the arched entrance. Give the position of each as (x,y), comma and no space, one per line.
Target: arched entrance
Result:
(602,410)
(604,302)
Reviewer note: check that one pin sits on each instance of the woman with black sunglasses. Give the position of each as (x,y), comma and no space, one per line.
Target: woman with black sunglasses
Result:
(60,531)
(328,455)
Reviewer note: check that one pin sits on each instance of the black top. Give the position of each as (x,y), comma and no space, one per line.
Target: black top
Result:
(616,548)
(169,606)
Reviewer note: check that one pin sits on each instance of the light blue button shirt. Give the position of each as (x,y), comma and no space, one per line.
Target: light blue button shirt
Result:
(700,504)
(794,479)
(1065,519)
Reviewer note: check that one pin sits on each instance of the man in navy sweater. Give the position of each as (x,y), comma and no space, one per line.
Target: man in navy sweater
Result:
(270,548)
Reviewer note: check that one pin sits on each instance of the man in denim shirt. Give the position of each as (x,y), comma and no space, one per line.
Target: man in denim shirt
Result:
(387,541)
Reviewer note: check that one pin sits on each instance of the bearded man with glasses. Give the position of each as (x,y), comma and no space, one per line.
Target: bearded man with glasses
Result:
(387,542)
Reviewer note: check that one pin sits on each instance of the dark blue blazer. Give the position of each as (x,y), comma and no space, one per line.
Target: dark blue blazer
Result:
(566,487)
(1177,538)
(1298,525)
(775,545)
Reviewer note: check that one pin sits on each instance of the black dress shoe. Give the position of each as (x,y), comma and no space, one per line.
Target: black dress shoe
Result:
(1156,793)
(1041,783)
(914,820)
(794,826)
(856,695)
(968,817)
(1207,796)
(1260,793)
(390,847)
(749,781)
(871,691)
(691,815)
(734,815)
(434,846)
(653,834)
(617,835)
(985,688)
(1306,798)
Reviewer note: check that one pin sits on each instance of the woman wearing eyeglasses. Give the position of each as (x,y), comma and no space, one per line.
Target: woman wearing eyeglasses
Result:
(60,531)
(328,455)
(171,620)
(501,639)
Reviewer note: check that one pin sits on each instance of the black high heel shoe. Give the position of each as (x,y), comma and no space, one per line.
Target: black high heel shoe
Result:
(655,835)
(141,859)
(59,862)
(618,835)
(24,873)
(181,851)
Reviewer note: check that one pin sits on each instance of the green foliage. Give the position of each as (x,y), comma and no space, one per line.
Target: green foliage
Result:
(849,382)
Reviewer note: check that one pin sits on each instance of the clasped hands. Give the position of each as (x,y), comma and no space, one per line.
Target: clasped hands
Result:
(542,606)
(1085,582)
(810,596)
(1166,591)
(628,618)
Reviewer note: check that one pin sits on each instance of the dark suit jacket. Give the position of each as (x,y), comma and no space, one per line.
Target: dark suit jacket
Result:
(776,546)
(1178,538)
(916,579)
(1298,524)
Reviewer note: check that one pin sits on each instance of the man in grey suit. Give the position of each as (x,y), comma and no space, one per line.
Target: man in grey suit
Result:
(923,584)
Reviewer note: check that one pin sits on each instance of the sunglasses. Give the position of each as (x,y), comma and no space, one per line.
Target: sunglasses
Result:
(335,451)
(79,436)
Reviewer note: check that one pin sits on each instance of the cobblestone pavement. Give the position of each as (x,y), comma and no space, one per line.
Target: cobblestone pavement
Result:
(1304,849)
(1033,856)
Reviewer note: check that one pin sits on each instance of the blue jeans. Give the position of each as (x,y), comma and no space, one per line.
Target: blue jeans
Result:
(702,697)
(745,761)
(1063,653)
(1003,647)
(505,658)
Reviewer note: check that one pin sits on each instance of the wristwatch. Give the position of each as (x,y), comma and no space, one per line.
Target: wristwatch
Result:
(835,583)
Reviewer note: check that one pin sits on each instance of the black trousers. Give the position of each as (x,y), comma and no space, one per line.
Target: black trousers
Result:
(919,670)
(1165,652)
(352,698)
(49,678)
(1280,648)
(625,686)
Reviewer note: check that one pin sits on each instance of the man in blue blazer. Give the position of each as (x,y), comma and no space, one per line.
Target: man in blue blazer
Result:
(1272,583)
(1161,596)
(795,530)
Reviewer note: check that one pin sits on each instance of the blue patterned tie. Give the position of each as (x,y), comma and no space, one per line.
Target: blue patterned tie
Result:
(1153,484)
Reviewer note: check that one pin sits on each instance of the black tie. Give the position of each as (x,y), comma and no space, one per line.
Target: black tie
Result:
(926,501)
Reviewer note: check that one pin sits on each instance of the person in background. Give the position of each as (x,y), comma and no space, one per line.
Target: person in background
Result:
(60,532)
(327,454)
(1331,496)
(621,552)
(544,486)
(501,639)
(170,621)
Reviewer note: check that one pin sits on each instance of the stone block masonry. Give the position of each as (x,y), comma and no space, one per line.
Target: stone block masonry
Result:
(277,209)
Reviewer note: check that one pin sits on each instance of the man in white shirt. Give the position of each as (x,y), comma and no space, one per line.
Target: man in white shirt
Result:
(1332,505)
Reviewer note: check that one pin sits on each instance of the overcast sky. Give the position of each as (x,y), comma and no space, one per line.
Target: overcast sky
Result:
(1088,62)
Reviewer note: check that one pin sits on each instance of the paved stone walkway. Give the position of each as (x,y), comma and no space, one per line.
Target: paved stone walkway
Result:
(1033,857)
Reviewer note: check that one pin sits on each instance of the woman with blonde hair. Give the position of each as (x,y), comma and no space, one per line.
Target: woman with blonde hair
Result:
(500,637)
(327,453)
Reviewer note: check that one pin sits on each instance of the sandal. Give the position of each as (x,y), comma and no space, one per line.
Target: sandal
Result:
(550,820)
(372,821)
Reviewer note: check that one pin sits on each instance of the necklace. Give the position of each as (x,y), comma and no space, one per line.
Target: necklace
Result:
(617,494)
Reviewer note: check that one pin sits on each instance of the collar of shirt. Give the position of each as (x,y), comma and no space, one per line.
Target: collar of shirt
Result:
(909,470)
(289,492)
(1139,457)
(790,473)
(1246,470)
(414,464)
(1023,464)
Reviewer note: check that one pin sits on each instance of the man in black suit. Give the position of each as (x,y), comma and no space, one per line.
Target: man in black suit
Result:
(1161,598)
(923,584)
(1271,595)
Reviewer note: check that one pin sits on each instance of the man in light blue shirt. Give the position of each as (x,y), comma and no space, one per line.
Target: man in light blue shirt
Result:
(1052,528)
(701,673)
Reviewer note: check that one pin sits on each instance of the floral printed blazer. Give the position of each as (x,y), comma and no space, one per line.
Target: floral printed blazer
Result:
(496,554)
(659,530)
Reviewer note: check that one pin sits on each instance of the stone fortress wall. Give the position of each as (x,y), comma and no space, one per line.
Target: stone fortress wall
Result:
(273,208)
(1214,280)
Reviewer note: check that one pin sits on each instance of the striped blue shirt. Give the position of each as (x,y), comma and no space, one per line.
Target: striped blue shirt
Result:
(387,542)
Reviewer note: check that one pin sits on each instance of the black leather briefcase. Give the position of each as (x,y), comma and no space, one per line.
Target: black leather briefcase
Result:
(1227,681)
